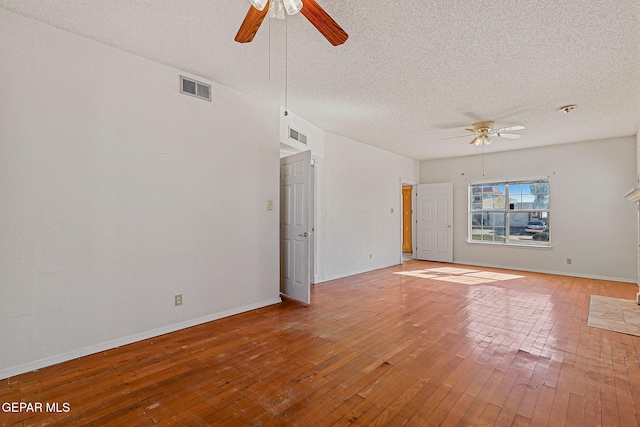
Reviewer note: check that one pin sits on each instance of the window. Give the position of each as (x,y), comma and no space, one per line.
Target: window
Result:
(514,212)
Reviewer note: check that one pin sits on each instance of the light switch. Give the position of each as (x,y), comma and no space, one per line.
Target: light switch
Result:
(269,205)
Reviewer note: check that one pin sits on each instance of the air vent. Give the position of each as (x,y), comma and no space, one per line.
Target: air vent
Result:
(195,88)
(300,137)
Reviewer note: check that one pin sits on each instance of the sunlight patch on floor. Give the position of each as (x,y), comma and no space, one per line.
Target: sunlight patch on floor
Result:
(417,274)
(459,275)
(466,280)
(450,270)
(495,276)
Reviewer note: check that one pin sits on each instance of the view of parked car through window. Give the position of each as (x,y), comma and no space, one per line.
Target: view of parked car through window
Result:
(536,227)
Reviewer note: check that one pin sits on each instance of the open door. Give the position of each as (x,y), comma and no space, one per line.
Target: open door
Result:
(295,226)
(407,219)
(434,222)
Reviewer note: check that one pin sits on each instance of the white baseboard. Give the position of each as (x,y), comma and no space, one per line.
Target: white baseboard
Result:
(557,273)
(85,351)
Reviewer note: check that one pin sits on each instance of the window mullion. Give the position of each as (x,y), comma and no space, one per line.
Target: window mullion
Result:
(507,208)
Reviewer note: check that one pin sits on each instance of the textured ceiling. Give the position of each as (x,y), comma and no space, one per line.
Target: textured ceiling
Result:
(412,72)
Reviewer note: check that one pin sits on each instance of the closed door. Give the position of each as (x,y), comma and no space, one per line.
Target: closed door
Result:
(434,223)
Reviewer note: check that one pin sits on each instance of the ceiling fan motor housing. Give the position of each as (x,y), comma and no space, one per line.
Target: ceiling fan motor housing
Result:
(483,126)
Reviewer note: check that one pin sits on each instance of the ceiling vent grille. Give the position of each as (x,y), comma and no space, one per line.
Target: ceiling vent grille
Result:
(195,88)
(300,137)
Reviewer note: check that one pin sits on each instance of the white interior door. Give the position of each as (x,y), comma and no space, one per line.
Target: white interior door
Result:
(295,226)
(434,222)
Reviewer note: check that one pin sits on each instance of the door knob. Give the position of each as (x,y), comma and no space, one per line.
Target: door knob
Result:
(305,234)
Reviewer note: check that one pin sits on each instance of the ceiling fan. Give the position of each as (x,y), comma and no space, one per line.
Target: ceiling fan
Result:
(310,9)
(485,132)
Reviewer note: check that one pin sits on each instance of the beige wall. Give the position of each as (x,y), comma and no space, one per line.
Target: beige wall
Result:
(590,221)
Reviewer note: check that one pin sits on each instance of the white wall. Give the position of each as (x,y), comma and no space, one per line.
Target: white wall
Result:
(118,192)
(590,220)
(357,186)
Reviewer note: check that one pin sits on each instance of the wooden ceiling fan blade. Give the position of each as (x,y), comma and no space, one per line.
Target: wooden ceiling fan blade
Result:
(323,22)
(251,24)
(507,135)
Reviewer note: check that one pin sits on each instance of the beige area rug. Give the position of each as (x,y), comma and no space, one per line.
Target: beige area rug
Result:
(614,314)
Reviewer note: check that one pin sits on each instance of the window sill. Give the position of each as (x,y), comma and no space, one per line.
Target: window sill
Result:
(511,245)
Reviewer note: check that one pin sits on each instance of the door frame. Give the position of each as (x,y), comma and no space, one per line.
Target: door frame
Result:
(313,246)
(404,182)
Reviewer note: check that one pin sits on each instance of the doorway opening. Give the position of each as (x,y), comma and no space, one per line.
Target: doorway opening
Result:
(407,233)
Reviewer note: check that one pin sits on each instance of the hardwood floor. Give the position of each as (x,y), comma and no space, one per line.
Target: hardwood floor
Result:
(378,349)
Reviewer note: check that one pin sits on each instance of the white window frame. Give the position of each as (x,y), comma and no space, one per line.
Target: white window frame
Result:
(507,210)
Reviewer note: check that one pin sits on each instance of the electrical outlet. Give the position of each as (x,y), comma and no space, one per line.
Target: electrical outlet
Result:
(178,299)
(370,256)
(569,260)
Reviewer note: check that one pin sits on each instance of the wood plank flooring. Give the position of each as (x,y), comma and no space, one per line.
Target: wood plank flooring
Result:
(376,349)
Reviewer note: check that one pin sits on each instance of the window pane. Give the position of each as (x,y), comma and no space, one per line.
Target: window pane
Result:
(540,192)
(517,225)
(527,202)
(476,202)
(476,226)
(488,226)
(515,202)
(534,232)
(499,201)
(540,188)
(517,222)
(542,201)
(500,189)
(492,197)
(496,222)
(481,197)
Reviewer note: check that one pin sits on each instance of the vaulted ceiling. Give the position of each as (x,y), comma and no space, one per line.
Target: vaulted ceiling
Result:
(412,73)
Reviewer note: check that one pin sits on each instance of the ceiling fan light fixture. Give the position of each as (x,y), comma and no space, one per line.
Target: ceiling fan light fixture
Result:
(486,139)
(292,6)
(259,4)
(276,9)
(311,10)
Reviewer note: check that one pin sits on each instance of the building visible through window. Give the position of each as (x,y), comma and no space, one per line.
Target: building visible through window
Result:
(510,212)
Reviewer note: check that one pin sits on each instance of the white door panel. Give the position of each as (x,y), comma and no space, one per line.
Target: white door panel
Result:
(435,222)
(295,227)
